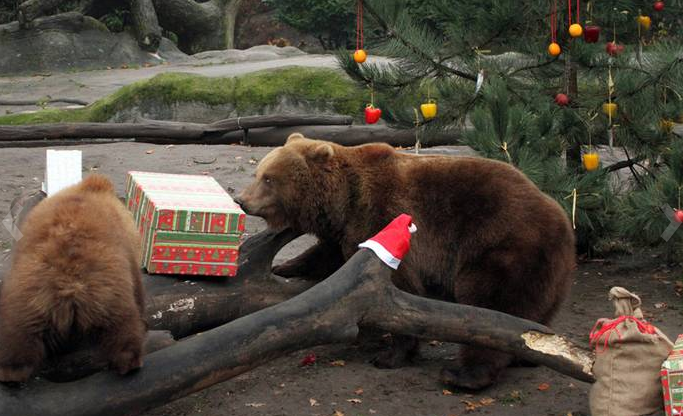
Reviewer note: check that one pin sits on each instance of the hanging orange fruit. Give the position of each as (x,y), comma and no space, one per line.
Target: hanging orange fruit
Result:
(610,109)
(554,49)
(360,56)
(591,161)
(575,30)
(645,22)
(428,110)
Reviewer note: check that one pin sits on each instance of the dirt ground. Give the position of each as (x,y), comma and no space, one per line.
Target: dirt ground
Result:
(343,380)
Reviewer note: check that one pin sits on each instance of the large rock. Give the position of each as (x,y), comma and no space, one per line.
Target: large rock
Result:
(71,41)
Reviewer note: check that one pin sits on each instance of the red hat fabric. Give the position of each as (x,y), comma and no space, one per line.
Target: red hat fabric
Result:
(393,242)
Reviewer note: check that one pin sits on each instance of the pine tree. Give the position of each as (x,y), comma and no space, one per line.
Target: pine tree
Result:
(439,48)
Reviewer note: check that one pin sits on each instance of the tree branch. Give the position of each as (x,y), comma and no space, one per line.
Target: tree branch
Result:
(392,33)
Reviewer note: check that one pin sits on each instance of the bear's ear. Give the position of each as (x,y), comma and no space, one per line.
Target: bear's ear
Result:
(321,153)
(294,136)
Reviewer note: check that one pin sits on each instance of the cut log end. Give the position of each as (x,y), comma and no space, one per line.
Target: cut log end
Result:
(556,345)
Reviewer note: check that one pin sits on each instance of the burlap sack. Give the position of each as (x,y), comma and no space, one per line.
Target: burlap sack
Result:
(629,355)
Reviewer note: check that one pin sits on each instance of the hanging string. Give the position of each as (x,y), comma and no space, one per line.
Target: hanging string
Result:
(553,21)
(569,13)
(578,11)
(610,91)
(679,197)
(417,131)
(359,25)
(574,196)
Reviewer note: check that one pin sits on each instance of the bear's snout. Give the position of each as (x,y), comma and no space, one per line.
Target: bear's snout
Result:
(241,201)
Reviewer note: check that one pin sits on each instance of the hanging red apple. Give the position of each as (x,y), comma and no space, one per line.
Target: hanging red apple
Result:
(372,114)
(678,215)
(591,34)
(562,99)
(658,6)
(613,48)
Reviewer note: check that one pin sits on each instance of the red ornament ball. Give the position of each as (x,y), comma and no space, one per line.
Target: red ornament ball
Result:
(658,6)
(561,99)
(678,215)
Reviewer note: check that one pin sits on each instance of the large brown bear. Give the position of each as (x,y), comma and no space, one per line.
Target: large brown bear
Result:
(487,236)
(75,276)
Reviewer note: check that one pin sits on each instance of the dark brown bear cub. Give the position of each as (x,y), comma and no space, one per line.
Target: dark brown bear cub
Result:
(487,236)
(75,275)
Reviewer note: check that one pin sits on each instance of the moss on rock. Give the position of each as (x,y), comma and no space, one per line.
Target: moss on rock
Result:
(248,94)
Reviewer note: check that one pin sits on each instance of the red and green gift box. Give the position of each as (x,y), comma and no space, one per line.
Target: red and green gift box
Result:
(189,224)
(672,380)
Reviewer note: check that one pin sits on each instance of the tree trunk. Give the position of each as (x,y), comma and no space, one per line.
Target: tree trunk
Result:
(147,29)
(230,7)
(199,26)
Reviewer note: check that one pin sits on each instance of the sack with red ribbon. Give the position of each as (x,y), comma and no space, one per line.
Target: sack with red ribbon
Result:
(629,354)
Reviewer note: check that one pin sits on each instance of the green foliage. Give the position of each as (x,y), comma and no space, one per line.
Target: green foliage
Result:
(249,94)
(440,47)
(647,207)
(331,21)
(116,20)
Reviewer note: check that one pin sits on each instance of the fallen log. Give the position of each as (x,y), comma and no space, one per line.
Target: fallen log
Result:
(169,130)
(87,360)
(193,133)
(42,101)
(359,293)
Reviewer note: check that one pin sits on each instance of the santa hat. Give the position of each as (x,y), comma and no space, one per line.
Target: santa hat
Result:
(393,242)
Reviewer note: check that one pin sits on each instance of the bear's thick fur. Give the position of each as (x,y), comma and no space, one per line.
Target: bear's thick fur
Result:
(487,236)
(75,276)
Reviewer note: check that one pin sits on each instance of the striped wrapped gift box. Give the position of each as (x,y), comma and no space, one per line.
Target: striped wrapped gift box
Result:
(188,223)
(672,380)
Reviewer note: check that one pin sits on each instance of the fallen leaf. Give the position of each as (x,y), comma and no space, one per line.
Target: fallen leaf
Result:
(543,386)
(255,404)
(447,392)
(660,305)
(253,161)
(435,343)
(470,405)
(338,363)
(487,401)
(358,391)
(150,151)
(372,411)
(338,413)
(170,146)
(354,401)
(313,402)
(308,360)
